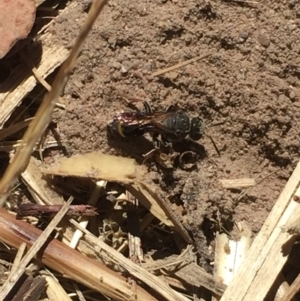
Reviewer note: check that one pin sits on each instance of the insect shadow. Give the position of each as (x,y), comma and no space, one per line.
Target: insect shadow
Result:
(134,147)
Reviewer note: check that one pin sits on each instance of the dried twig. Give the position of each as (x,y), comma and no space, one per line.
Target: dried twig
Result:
(30,209)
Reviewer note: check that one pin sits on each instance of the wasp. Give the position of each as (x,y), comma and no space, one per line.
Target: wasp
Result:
(173,125)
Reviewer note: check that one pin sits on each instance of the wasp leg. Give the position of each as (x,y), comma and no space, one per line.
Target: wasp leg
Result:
(150,154)
(172,108)
(166,143)
(157,145)
(147,107)
(156,141)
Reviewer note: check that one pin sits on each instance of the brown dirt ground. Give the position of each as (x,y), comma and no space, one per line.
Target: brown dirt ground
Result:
(250,84)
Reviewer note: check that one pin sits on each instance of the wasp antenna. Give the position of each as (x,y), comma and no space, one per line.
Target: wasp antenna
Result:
(214,144)
(207,124)
(147,106)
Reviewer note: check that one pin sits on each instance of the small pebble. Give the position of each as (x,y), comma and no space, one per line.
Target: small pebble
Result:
(264,39)
(292,95)
(148,67)
(116,65)
(233,157)
(124,69)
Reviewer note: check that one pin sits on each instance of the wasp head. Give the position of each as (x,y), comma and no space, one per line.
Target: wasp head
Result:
(196,130)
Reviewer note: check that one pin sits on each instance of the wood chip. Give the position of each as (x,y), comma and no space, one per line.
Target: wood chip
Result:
(230,254)
(237,183)
(100,167)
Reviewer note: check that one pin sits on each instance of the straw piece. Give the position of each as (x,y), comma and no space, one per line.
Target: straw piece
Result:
(55,291)
(237,183)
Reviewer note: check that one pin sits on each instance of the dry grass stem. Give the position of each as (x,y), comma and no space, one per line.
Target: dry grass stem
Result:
(172,214)
(4,133)
(18,258)
(293,225)
(50,60)
(149,202)
(195,59)
(8,146)
(38,77)
(38,186)
(280,288)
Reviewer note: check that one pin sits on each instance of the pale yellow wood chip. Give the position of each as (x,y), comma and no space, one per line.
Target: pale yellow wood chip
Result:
(99,166)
